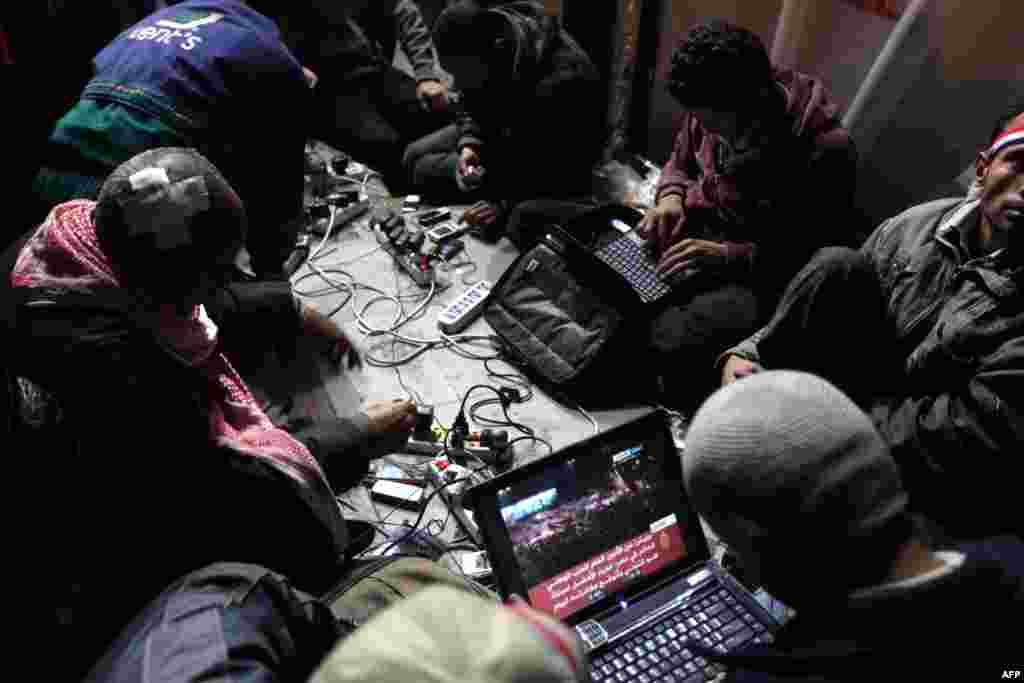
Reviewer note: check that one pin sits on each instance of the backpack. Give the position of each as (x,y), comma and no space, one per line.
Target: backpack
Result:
(571,323)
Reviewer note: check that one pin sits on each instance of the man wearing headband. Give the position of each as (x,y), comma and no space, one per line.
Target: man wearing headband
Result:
(924,328)
(172,462)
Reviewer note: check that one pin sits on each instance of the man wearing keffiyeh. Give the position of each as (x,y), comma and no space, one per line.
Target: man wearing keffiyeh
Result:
(174,463)
(924,328)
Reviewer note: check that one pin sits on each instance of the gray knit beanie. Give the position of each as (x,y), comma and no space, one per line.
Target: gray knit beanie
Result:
(785,466)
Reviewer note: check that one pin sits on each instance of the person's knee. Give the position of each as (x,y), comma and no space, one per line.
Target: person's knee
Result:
(707,323)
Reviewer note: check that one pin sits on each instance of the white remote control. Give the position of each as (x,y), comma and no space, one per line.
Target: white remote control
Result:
(460,313)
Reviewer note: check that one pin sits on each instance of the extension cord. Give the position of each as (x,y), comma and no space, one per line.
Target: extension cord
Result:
(435,448)
(442,472)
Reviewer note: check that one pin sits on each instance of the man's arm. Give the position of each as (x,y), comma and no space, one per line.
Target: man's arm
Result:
(952,443)
(416,42)
(680,171)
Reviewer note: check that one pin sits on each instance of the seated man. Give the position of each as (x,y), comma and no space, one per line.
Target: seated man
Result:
(107,313)
(363,105)
(762,173)
(528,123)
(248,621)
(791,475)
(924,328)
(209,74)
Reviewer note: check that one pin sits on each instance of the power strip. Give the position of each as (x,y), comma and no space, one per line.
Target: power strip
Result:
(408,261)
(460,314)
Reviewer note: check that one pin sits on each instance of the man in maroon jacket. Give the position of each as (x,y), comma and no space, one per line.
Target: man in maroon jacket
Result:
(761,175)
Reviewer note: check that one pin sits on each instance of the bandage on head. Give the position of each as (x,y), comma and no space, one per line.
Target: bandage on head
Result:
(164,209)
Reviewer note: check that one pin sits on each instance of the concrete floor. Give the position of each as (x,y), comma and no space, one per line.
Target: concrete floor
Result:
(359,272)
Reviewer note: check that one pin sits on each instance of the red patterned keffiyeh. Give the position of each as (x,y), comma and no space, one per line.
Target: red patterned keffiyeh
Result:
(64,252)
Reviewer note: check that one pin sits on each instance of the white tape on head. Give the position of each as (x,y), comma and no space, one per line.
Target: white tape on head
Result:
(149,177)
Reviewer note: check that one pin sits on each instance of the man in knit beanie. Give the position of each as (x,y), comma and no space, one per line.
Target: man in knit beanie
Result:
(792,475)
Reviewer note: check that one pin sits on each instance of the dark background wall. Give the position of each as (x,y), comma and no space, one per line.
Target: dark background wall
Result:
(955,69)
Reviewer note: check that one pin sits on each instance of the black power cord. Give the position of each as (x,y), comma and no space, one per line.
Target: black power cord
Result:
(423,511)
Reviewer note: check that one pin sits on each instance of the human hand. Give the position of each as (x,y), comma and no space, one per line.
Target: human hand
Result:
(391,417)
(342,349)
(311,78)
(690,254)
(482,214)
(737,368)
(664,223)
(433,95)
(469,163)
(338,345)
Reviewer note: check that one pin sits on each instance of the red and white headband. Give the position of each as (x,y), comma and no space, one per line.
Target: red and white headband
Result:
(1010,137)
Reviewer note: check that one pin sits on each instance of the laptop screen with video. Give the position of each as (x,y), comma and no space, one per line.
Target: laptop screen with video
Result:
(594,524)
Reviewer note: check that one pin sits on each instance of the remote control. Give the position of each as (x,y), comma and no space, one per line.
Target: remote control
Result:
(433,217)
(460,313)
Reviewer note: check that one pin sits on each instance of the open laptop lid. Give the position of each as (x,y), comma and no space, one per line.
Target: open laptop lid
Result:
(594,526)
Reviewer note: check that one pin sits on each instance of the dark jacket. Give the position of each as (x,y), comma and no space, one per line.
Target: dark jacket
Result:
(776,204)
(228,617)
(956,424)
(351,38)
(955,628)
(140,495)
(539,129)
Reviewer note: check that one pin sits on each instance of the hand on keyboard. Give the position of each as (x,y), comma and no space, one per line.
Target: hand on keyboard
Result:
(690,255)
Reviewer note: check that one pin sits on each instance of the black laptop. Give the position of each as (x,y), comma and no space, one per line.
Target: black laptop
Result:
(601,535)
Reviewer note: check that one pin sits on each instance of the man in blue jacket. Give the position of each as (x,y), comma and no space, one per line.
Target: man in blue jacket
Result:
(924,328)
(207,74)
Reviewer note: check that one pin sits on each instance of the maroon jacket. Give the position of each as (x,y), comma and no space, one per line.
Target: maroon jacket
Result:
(777,202)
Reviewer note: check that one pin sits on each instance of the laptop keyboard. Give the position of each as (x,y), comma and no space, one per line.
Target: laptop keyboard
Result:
(659,654)
(632,261)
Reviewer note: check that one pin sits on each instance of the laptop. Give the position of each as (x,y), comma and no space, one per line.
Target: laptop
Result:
(601,535)
(628,255)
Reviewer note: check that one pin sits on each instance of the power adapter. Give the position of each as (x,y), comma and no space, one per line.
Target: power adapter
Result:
(424,423)
(509,395)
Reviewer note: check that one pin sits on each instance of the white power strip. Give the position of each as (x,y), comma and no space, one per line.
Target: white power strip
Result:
(458,315)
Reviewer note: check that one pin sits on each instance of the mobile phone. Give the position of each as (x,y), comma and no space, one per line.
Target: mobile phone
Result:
(474,564)
(446,231)
(398,494)
(433,217)
(386,471)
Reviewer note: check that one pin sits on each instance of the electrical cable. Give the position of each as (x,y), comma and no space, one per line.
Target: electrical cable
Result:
(536,439)
(423,510)
(597,428)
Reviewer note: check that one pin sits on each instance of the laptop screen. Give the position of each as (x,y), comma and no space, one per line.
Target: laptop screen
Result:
(595,522)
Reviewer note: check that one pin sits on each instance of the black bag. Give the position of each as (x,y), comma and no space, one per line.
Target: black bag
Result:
(572,323)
